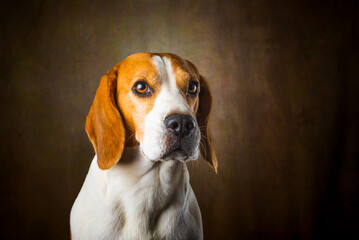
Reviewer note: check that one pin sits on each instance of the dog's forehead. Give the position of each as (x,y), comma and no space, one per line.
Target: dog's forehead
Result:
(139,63)
(180,68)
(161,66)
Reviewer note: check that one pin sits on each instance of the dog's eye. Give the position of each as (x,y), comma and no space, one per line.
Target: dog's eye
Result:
(141,88)
(192,88)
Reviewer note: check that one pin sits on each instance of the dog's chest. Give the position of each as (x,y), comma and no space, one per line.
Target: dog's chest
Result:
(136,211)
(160,204)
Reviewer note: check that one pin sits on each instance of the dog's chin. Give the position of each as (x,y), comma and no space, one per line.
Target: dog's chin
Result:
(179,154)
(176,154)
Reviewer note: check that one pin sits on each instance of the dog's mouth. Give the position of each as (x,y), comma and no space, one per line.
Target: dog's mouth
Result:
(176,153)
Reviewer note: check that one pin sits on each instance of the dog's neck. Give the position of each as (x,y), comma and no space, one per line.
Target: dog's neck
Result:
(134,167)
(141,190)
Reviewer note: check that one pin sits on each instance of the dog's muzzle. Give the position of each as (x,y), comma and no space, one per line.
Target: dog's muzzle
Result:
(180,136)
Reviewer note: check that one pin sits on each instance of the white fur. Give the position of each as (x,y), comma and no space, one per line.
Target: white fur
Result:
(141,200)
(141,197)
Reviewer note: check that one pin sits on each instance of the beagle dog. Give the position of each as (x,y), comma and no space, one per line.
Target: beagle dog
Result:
(148,119)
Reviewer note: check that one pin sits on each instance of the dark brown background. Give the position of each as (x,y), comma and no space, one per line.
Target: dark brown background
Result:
(285,117)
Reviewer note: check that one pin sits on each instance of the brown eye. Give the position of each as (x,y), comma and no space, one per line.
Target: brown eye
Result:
(192,88)
(141,88)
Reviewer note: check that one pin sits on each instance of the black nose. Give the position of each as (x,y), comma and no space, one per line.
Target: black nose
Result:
(180,124)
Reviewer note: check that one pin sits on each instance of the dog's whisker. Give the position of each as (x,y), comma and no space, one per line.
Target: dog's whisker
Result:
(204,148)
(204,137)
(130,137)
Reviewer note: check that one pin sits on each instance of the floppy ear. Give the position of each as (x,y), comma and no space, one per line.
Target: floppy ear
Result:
(104,124)
(204,109)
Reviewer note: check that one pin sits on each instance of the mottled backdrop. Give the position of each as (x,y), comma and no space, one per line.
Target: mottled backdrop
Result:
(285,123)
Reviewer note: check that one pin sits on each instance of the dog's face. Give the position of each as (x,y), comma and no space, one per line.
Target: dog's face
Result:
(158,101)
(158,98)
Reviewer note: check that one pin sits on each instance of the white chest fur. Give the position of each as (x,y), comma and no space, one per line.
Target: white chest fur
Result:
(136,199)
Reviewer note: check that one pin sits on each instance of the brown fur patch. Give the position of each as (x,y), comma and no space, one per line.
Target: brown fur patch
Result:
(104,124)
(133,108)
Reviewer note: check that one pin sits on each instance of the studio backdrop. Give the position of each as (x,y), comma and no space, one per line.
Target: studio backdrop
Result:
(284,119)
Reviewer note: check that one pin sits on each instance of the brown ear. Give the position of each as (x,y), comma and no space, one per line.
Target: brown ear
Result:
(204,109)
(104,124)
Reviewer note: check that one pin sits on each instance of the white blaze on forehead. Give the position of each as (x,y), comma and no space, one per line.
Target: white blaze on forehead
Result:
(166,73)
(170,74)
(170,99)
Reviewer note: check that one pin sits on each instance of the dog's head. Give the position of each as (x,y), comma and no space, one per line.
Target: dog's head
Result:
(157,101)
